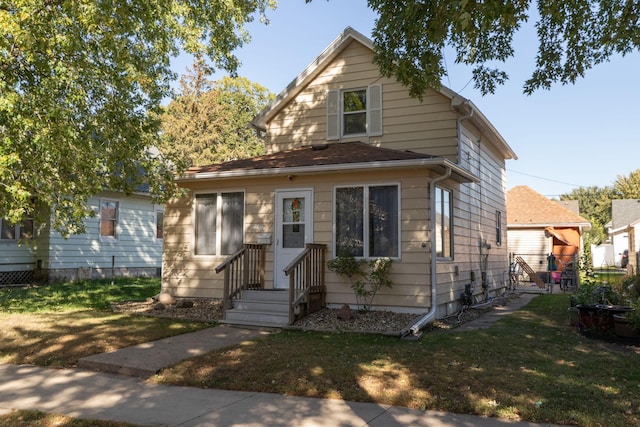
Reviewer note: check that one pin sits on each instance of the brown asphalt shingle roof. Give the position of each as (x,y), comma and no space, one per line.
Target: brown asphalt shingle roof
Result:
(528,207)
(313,155)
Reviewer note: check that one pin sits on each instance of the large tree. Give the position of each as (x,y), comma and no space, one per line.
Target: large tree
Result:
(573,36)
(80,90)
(628,187)
(208,121)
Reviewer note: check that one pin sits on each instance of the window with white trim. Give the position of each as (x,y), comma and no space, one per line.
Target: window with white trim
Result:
(13,232)
(367,221)
(109,211)
(444,229)
(354,112)
(219,223)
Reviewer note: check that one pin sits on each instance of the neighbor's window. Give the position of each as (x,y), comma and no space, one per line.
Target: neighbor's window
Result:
(444,230)
(7,231)
(219,223)
(159,224)
(14,232)
(498,228)
(109,219)
(367,221)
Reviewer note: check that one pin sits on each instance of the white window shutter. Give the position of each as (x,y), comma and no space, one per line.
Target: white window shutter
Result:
(374,116)
(333,114)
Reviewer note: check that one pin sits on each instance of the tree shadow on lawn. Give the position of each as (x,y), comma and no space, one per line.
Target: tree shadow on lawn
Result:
(60,339)
(530,366)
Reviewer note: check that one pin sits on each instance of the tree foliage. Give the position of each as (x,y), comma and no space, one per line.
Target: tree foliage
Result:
(573,36)
(628,187)
(82,82)
(208,122)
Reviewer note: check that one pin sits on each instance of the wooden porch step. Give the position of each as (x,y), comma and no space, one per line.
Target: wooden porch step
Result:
(268,308)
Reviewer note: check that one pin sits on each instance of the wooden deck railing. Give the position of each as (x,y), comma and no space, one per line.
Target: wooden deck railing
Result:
(306,281)
(243,270)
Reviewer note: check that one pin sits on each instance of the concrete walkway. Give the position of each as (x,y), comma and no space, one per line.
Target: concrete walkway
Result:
(102,395)
(144,360)
(85,394)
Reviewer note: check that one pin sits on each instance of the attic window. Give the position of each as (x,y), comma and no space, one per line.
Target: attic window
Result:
(354,112)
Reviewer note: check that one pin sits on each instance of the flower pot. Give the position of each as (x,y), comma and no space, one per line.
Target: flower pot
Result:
(624,327)
(574,316)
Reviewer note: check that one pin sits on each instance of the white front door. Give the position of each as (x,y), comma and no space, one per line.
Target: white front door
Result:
(294,228)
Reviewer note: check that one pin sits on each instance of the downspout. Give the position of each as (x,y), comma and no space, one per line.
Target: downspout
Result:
(414,330)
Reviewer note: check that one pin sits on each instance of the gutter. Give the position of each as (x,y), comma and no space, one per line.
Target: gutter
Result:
(461,175)
(414,331)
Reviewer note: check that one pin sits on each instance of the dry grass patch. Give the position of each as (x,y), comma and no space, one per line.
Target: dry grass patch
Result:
(529,366)
(42,419)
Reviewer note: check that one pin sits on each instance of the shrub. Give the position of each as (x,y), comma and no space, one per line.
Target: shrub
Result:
(365,283)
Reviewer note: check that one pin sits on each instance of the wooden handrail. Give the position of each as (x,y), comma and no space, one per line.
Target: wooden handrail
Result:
(242,270)
(306,280)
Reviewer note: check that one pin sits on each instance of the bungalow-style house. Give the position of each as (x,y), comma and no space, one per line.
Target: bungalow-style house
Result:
(123,239)
(354,164)
(538,227)
(624,230)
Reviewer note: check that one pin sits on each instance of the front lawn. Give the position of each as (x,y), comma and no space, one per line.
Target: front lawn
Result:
(55,325)
(529,366)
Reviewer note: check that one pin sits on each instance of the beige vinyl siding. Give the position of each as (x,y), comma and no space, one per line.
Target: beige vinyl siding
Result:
(426,127)
(189,275)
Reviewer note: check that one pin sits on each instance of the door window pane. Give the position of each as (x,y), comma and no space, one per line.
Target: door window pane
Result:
(293,227)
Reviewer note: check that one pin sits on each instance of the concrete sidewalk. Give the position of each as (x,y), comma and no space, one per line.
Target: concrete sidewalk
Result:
(144,360)
(85,394)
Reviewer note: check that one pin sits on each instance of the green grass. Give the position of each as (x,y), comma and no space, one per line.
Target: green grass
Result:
(80,295)
(56,325)
(529,366)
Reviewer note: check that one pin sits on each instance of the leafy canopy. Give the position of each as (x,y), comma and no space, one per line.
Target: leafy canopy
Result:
(573,36)
(81,86)
(209,121)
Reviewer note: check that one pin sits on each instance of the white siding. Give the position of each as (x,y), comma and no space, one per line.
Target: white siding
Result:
(135,247)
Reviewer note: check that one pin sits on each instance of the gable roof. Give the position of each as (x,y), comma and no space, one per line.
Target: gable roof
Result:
(624,212)
(460,104)
(528,208)
(324,158)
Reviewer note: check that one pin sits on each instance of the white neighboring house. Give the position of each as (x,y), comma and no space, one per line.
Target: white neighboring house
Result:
(123,239)
(624,229)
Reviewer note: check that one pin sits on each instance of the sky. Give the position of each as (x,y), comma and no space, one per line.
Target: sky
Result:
(568,137)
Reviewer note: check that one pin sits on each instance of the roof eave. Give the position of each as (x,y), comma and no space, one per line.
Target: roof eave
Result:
(458,174)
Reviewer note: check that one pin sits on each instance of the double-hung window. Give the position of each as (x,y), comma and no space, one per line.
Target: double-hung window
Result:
(12,232)
(219,223)
(354,112)
(367,221)
(109,219)
(444,229)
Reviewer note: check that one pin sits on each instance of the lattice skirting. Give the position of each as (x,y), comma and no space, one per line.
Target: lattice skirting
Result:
(21,277)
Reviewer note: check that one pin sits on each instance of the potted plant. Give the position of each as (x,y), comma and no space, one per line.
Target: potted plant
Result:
(627,325)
